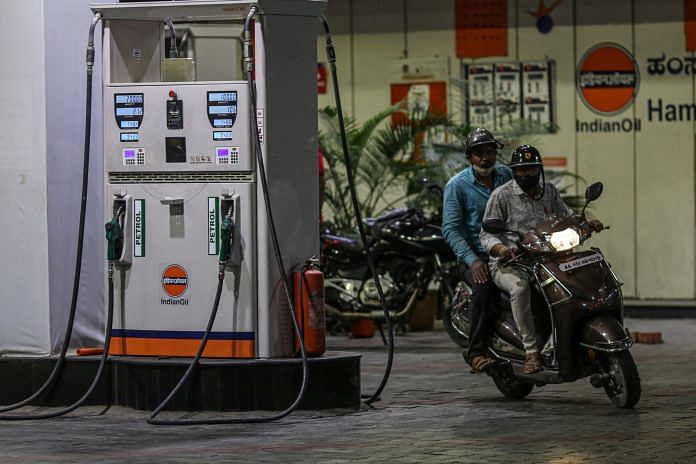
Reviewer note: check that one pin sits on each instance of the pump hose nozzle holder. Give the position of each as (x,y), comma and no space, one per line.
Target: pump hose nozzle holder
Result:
(114,236)
(227,238)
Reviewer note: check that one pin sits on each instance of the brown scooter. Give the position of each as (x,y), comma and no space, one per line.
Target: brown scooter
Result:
(578,308)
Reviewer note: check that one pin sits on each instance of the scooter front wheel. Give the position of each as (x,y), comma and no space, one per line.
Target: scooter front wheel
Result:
(623,385)
(509,385)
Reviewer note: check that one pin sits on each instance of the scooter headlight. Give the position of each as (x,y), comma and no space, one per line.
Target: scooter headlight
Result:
(565,239)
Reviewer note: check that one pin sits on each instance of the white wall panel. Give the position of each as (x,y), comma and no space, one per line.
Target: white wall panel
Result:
(609,157)
(24,253)
(664,162)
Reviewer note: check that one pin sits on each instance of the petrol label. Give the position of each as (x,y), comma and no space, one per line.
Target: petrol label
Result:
(139,228)
(213,226)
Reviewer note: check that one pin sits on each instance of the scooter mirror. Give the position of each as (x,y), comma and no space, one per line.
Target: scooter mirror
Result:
(494,226)
(594,191)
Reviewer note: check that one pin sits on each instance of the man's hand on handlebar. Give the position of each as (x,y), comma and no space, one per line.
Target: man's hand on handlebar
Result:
(504,252)
(480,272)
(596,225)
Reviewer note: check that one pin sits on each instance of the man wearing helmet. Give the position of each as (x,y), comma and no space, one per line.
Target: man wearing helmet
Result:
(522,204)
(465,200)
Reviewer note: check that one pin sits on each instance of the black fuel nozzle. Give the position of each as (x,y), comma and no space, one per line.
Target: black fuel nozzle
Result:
(227,237)
(114,236)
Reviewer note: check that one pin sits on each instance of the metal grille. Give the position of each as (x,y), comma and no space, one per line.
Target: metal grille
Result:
(178,177)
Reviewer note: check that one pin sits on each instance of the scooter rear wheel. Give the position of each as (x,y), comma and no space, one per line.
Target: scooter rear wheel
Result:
(623,387)
(509,385)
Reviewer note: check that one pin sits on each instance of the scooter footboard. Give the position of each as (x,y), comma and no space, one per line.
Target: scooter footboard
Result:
(605,333)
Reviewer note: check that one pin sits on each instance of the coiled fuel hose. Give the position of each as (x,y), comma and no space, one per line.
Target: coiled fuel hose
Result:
(58,367)
(249,68)
(331,57)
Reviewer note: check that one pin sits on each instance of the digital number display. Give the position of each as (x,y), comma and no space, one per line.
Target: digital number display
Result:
(222,122)
(222,135)
(130,137)
(126,99)
(222,109)
(222,96)
(132,111)
(129,124)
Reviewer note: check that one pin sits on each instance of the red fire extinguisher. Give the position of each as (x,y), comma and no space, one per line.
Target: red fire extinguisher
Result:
(309,308)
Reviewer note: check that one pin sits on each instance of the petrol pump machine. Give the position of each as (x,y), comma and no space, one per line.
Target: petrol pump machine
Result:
(179,161)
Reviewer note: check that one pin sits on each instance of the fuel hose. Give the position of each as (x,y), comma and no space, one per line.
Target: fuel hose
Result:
(331,57)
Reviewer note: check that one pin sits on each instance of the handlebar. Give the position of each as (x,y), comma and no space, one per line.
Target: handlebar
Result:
(511,260)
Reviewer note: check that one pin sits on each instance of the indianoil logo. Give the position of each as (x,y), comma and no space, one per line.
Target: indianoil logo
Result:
(607,79)
(174,280)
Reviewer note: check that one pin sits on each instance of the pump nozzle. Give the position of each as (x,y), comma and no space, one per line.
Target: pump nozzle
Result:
(227,237)
(114,236)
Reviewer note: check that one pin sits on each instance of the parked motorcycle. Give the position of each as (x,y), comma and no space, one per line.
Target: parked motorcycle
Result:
(578,308)
(409,253)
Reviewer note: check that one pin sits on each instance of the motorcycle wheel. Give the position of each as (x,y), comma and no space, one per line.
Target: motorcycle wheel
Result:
(455,321)
(623,387)
(509,385)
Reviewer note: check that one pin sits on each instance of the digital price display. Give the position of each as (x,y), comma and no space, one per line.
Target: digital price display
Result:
(222,135)
(222,108)
(222,122)
(129,109)
(133,111)
(222,96)
(134,98)
(130,137)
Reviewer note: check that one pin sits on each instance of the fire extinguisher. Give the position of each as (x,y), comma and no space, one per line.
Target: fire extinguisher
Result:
(309,308)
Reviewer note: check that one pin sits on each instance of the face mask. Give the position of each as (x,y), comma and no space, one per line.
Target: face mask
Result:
(527,182)
(485,172)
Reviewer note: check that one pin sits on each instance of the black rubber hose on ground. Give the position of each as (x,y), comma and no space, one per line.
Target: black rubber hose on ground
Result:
(97,377)
(281,270)
(58,367)
(331,56)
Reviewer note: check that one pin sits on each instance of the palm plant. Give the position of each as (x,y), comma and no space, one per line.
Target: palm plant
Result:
(387,161)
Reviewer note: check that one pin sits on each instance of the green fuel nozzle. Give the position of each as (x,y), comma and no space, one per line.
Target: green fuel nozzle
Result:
(226,237)
(114,236)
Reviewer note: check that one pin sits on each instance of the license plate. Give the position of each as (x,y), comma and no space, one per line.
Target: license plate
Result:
(580,262)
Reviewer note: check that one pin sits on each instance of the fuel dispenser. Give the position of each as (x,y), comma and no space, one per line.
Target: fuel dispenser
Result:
(184,196)
(179,162)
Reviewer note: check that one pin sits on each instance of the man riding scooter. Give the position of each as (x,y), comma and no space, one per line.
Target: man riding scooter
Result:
(522,204)
(465,198)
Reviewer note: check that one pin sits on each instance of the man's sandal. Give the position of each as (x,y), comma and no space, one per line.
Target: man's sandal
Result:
(481,364)
(532,363)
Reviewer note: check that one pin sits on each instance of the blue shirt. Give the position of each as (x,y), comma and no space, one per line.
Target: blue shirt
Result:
(463,209)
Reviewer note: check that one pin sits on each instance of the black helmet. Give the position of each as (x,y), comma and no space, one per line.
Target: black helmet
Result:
(525,155)
(480,136)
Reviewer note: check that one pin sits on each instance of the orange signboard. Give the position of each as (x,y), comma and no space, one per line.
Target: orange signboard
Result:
(690,24)
(481,28)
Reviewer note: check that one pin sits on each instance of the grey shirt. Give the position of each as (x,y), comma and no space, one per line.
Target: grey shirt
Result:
(520,212)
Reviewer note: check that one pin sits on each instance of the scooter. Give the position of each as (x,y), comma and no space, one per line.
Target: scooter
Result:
(578,307)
